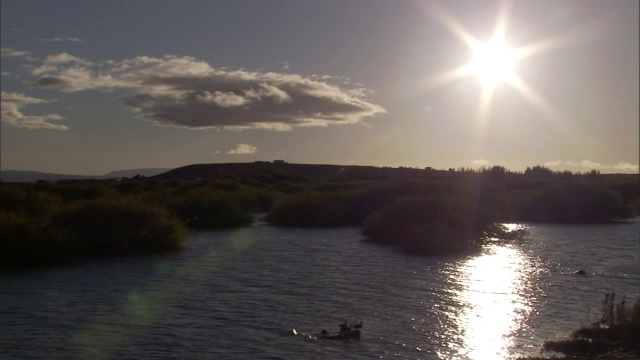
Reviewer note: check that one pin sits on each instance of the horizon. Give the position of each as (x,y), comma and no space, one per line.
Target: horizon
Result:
(92,87)
(429,168)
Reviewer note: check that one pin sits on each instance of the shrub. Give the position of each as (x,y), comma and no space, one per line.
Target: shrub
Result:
(431,224)
(27,200)
(207,208)
(572,202)
(311,209)
(82,190)
(27,241)
(618,329)
(117,226)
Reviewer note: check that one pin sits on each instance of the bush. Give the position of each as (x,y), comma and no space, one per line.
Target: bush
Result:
(116,227)
(431,225)
(37,227)
(27,241)
(618,329)
(206,208)
(572,202)
(312,209)
(27,200)
(81,190)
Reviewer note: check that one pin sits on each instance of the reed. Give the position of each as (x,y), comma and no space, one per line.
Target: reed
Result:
(618,330)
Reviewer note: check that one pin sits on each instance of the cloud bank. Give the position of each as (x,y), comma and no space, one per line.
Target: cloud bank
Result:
(592,165)
(184,92)
(61,39)
(11,114)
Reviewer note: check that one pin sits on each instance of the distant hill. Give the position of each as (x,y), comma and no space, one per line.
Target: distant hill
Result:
(261,168)
(133,172)
(33,176)
(283,170)
(278,170)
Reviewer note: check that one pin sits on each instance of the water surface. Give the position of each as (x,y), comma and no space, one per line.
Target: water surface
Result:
(235,294)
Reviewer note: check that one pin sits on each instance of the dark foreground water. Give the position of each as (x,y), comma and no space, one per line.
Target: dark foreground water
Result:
(236,294)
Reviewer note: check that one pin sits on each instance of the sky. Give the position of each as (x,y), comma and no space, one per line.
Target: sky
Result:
(90,87)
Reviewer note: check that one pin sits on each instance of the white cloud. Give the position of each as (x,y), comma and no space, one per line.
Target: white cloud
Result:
(481,162)
(592,165)
(59,39)
(4,73)
(10,109)
(8,52)
(626,167)
(553,163)
(243,149)
(587,164)
(184,92)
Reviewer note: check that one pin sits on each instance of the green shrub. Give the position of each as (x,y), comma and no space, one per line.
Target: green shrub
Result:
(572,202)
(431,225)
(82,190)
(28,200)
(207,208)
(618,329)
(311,209)
(27,240)
(117,226)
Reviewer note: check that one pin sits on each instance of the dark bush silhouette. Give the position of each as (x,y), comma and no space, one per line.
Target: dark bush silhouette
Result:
(207,208)
(431,225)
(117,226)
(572,202)
(102,227)
(618,330)
(311,209)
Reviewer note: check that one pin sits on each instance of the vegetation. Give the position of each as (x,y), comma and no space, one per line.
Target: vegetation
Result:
(615,336)
(421,211)
(50,223)
(572,202)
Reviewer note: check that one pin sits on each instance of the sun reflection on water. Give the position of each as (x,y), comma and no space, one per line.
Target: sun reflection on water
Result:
(491,293)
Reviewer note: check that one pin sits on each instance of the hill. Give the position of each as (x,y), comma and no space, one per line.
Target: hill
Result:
(34,176)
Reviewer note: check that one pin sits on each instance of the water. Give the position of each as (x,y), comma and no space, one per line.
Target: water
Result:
(236,294)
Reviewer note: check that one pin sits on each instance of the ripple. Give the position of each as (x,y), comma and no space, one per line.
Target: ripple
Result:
(233,295)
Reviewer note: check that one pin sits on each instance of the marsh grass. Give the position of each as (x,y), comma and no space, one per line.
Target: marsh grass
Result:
(618,330)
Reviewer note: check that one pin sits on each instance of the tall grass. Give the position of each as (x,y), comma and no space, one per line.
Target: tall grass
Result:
(41,227)
(618,329)
(116,227)
(311,209)
(208,208)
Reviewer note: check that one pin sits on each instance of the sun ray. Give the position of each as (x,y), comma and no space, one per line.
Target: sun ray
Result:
(449,76)
(537,100)
(494,63)
(454,26)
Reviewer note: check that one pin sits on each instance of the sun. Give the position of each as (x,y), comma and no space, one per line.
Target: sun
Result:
(493,63)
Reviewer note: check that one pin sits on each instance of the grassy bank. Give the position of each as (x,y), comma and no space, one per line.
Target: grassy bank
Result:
(615,336)
(421,212)
(45,224)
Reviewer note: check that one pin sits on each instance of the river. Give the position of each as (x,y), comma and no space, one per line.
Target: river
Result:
(237,294)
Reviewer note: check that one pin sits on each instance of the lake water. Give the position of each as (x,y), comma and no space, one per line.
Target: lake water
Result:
(236,294)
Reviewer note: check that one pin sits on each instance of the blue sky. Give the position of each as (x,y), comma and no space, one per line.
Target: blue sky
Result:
(94,86)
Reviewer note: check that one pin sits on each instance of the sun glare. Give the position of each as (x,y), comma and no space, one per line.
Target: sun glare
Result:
(494,307)
(494,62)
